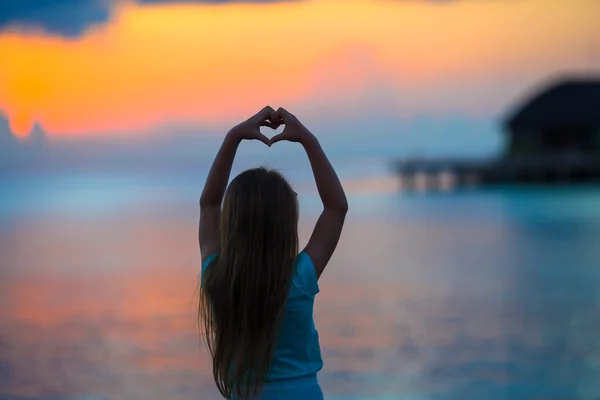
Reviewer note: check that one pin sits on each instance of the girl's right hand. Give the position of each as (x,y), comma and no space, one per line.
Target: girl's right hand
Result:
(294,131)
(250,129)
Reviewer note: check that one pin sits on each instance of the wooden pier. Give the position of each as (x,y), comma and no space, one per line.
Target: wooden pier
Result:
(442,175)
(447,175)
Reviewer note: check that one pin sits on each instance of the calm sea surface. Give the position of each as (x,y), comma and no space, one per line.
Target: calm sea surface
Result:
(489,294)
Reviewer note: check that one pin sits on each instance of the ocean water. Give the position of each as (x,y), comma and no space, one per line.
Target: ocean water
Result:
(478,294)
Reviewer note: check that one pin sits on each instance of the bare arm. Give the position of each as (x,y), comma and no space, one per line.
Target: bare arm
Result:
(328,228)
(218,177)
(212,196)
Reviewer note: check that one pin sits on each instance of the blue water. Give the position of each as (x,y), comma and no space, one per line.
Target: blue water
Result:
(489,294)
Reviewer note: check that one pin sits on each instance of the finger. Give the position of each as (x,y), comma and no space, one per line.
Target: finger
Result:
(270,124)
(263,139)
(282,112)
(277,138)
(279,116)
(266,113)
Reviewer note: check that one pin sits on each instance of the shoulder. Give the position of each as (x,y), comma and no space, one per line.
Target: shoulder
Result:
(306,275)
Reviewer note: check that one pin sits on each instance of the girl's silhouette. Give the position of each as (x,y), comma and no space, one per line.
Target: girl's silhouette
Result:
(257,288)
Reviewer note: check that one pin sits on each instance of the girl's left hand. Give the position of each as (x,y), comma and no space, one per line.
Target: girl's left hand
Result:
(250,129)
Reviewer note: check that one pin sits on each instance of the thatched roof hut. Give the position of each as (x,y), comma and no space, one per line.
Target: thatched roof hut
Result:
(571,103)
(563,117)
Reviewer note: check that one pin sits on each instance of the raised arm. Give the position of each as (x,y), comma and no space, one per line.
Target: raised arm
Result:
(218,177)
(328,228)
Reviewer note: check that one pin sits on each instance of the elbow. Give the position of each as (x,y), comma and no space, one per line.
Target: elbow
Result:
(340,207)
(344,206)
(203,201)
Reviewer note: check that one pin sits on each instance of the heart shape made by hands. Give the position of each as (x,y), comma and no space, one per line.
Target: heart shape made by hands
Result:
(270,132)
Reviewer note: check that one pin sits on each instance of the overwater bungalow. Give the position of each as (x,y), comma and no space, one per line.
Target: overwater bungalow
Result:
(552,138)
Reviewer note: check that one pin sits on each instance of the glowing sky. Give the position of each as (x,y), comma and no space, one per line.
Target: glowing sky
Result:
(151,64)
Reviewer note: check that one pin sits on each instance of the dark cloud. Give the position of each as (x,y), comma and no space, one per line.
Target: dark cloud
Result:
(72,18)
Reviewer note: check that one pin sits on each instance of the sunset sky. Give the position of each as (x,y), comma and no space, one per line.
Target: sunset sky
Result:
(112,111)
(131,67)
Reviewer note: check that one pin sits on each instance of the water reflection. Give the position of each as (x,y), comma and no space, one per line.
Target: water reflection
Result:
(499,306)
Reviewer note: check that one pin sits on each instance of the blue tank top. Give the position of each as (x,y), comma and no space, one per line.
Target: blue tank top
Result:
(298,353)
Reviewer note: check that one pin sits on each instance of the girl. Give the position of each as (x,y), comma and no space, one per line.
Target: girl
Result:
(257,296)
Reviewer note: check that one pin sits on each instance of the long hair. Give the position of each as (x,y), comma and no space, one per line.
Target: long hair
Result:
(244,292)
